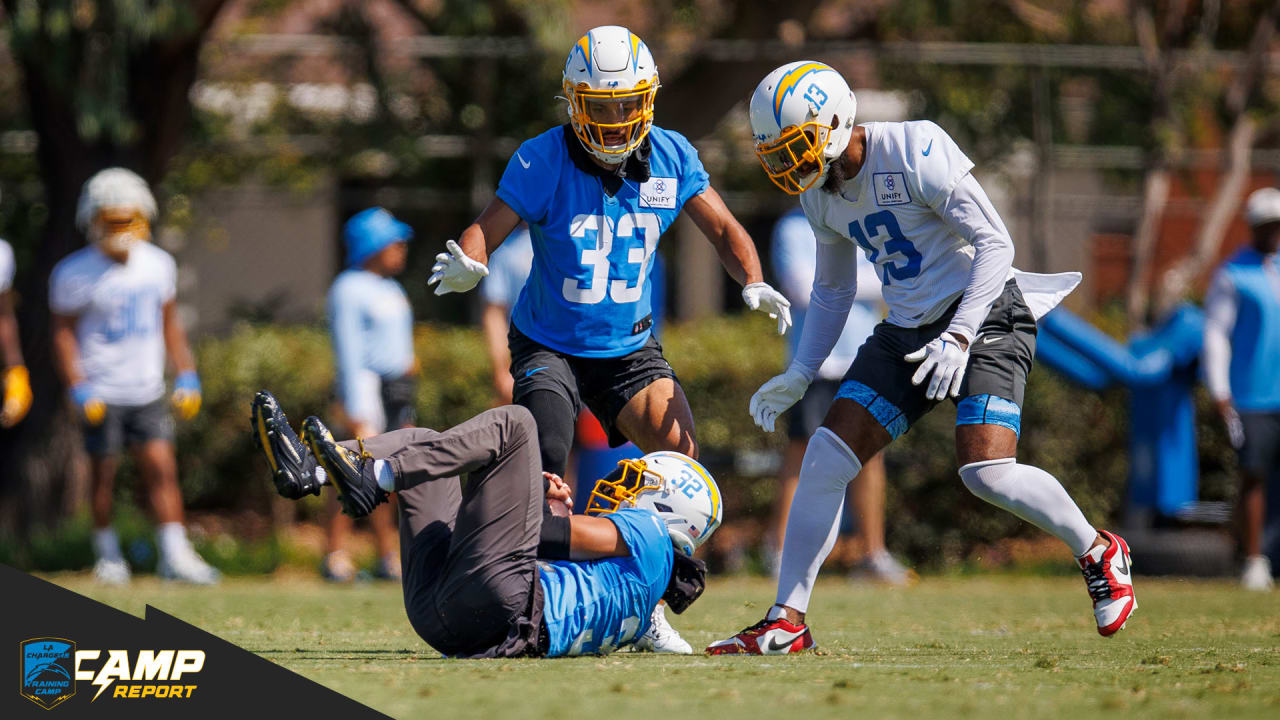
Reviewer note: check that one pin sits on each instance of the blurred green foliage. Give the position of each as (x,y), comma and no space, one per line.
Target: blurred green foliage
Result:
(931,519)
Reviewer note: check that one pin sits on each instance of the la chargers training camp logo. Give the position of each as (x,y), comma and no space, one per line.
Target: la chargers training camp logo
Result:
(48,666)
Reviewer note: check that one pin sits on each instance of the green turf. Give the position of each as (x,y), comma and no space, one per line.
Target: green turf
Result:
(1008,647)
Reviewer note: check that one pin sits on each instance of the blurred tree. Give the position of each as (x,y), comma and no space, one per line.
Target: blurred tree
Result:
(106,82)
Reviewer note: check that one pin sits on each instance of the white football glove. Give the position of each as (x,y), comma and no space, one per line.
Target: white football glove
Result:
(776,395)
(944,357)
(760,296)
(455,271)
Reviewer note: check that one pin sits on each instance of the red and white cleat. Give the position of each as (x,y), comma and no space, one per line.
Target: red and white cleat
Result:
(767,637)
(1108,573)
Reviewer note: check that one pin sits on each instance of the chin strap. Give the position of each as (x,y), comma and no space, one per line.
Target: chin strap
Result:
(688,580)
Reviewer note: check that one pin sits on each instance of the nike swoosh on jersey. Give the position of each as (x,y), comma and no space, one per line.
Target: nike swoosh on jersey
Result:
(989,340)
(531,372)
(774,646)
(925,152)
(526,165)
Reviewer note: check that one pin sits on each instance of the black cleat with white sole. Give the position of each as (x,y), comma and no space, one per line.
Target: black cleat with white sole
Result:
(292,464)
(351,473)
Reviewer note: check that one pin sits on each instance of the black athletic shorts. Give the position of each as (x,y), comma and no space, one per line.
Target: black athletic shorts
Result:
(399,397)
(605,385)
(992,391)
(805,417)
(128,425)
(1260,453)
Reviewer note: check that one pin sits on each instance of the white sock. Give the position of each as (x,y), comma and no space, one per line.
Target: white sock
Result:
(385,476)
(814,518)
(321,476)
(172,538)
(106,544)
(1033,495)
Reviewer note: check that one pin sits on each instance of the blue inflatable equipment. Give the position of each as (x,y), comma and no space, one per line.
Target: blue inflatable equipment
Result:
(1159,368)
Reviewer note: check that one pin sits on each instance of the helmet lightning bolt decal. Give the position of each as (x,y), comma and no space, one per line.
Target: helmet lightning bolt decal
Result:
(788,84)
(584,47)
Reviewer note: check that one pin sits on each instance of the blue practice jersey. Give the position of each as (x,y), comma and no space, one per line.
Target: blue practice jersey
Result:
(589,293)
(1255,339)
(601,605)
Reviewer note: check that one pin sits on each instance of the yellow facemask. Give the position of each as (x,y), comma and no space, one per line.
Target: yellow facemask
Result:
(795,155)
(613,122)
(118,229)
(619,488)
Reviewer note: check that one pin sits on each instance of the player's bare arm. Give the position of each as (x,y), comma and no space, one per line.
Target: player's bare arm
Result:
(15,382)
(738,255)
(490,228)
(10,350)
(66,351)
(592,538)
(731,241)
(175,340)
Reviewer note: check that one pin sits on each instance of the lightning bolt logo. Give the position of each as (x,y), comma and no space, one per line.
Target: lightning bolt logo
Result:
(584,47)
(790,81)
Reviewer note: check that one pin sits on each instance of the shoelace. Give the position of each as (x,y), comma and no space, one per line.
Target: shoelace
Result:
(364,454)
(1095,578)
(758,626)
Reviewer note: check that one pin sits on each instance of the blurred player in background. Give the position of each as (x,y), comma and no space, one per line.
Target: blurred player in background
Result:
(15,382)
(115,317)
(903,193)
(1242,369)
(473,582)
(372,328)
(597,193)
(794,255)
(509,268)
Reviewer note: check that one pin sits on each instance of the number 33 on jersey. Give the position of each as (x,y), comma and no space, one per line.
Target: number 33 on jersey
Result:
(588,292)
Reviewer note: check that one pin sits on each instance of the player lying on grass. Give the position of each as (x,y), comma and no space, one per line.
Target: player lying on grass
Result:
(597,193)
(903,193)
(471,503)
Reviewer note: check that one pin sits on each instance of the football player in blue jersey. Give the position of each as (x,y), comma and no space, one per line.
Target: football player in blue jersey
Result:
(597,193)
(473,583)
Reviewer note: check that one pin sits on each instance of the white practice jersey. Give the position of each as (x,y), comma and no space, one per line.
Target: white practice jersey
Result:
(891,210)
(119,325)
(6,266)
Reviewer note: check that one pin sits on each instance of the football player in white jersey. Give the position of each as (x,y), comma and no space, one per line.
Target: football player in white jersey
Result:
(114,318)
(15,383)
(959,318)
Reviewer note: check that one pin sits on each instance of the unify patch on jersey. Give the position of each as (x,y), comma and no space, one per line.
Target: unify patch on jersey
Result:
(658,192)
(890,188)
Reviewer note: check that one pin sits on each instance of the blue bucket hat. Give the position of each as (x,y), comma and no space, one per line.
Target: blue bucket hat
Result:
(368,231)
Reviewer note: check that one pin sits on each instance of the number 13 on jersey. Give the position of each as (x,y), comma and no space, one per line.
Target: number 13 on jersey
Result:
(895,242)
(596,259)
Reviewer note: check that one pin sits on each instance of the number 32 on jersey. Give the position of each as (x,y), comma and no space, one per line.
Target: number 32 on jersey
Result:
(621,290)
(883,234)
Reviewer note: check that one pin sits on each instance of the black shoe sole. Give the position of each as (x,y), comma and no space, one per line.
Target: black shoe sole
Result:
(335,461)
(267,436)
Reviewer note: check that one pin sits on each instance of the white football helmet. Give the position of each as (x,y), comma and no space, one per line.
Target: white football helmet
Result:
(674,486)
(801,118)
(610,80)
(115,210)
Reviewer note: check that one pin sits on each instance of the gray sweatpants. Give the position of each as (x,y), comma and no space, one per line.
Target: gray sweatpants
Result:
(470,516)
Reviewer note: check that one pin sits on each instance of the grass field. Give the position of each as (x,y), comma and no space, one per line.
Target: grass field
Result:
(996,645)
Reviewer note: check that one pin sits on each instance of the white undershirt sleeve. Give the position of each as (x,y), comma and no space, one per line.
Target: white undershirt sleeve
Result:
(835,282)
(969,213)
(1219,319)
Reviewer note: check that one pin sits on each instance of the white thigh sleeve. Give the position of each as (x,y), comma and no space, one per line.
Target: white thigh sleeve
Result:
(1033,495)
(814,518)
